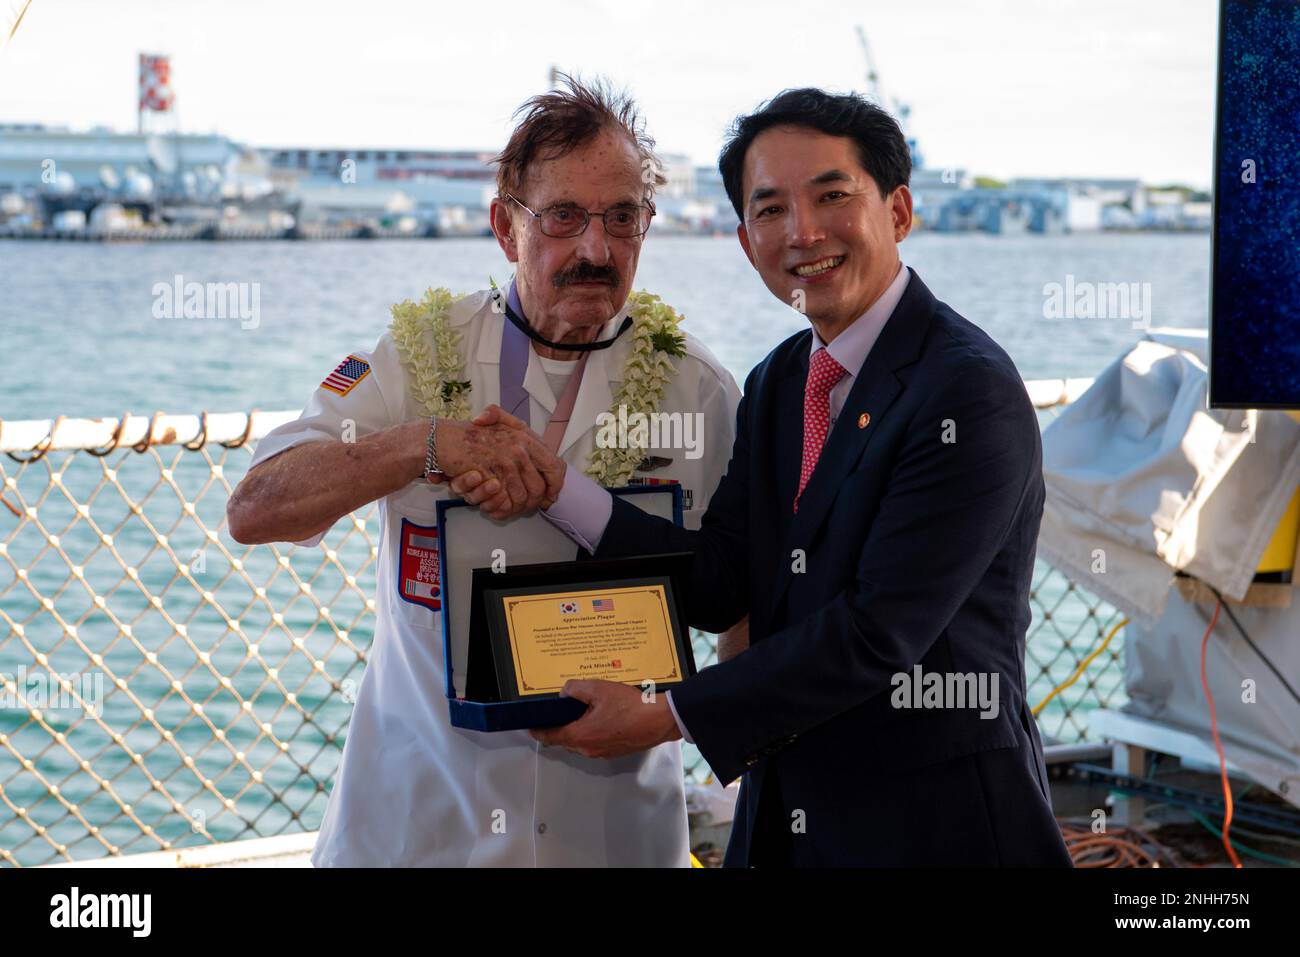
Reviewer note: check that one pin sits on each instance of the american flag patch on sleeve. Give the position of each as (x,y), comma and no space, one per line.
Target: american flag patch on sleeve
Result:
(349,372)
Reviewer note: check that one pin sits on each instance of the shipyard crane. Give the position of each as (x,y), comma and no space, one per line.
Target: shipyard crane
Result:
(875,92)
(873,78)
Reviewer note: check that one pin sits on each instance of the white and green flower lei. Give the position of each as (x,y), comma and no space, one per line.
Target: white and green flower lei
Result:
(439,389)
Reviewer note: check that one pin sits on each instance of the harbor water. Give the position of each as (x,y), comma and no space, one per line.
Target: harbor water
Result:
(81,337)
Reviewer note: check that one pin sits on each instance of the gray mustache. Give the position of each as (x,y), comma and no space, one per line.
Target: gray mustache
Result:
(587,273)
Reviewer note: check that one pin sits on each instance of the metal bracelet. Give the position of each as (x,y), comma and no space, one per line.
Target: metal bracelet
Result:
(430,454)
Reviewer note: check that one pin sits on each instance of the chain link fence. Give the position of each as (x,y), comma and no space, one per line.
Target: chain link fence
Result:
(162,686)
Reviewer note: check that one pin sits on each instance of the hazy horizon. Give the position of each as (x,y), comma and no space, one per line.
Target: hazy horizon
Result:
(1013,88)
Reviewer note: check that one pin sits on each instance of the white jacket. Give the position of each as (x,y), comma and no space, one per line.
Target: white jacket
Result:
(412,789)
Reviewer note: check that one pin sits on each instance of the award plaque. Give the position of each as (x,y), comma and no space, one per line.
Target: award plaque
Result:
(524,609)
(612,620)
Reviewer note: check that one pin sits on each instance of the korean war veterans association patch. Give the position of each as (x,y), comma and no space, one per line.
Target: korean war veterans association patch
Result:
(419,576)
(349,372)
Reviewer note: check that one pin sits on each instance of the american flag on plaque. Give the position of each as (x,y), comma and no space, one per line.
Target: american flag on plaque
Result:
(602,604)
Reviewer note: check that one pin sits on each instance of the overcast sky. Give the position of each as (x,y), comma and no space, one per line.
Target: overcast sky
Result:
(1000,87)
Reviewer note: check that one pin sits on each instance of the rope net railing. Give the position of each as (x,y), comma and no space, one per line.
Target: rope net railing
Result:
(163,686)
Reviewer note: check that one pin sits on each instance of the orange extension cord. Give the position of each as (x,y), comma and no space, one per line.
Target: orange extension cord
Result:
(1117,848)
(1218,745)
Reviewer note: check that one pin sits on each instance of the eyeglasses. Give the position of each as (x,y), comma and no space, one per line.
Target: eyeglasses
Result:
(565,221)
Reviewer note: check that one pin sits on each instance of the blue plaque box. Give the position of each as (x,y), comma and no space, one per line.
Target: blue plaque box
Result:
(469,540)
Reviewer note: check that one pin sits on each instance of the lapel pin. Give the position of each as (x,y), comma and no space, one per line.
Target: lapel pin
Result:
(864,420)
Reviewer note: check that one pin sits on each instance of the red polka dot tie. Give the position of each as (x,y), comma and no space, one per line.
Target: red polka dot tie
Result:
(823,373)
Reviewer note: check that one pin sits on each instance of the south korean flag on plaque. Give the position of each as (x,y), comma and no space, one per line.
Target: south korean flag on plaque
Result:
(419,577)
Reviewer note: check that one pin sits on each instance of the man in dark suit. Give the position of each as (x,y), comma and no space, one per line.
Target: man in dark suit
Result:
(877,522)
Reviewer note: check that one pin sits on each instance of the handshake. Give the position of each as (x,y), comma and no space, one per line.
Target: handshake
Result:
(497,463)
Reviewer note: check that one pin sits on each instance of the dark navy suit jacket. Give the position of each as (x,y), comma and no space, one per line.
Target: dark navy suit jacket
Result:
(913,543)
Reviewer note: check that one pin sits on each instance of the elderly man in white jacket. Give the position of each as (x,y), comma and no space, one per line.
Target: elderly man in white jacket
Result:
(567,347)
